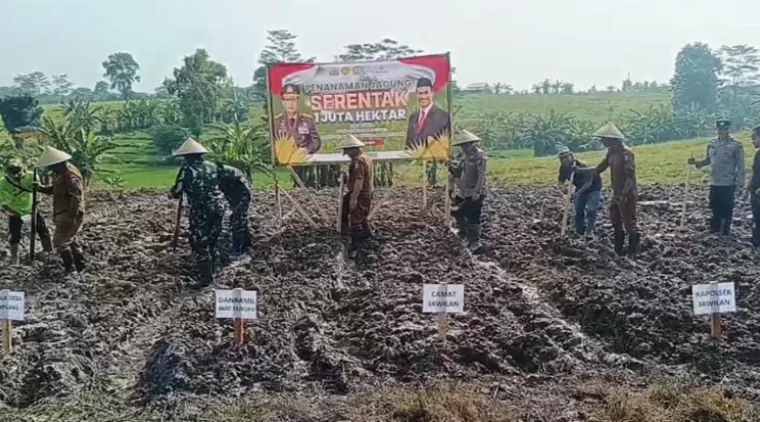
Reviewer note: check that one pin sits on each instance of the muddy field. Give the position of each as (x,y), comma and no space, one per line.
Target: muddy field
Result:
(553,329)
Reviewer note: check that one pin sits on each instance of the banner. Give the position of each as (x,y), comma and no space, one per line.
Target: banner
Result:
(400,109)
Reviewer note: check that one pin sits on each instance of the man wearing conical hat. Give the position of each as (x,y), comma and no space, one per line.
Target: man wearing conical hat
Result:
(16,201)
(469,178)
(68,206)
(199,181)
(622,164)
(725,156)
(357,202)
(588,191)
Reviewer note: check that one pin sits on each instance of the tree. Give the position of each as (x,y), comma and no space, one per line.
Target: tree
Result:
(34,84)
(198,85)
(101,90)
(246,148)
(20,111)
(567,88)
(695,81)
(121,69)
(82,93)
(62,85)
(386,49)
(740,65)
(281,47)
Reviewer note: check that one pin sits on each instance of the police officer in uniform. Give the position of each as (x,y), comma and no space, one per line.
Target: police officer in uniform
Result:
(725,156)
(299,126)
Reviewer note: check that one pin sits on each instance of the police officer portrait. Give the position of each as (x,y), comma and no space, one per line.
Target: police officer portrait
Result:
(295,124)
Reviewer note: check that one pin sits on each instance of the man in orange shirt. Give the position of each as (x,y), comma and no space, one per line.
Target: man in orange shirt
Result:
(357,202)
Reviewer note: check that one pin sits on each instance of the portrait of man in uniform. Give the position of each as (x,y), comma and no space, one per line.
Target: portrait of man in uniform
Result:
(429,120)
(295,124)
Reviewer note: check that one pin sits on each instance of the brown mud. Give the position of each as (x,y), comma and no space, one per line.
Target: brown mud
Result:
(544,315)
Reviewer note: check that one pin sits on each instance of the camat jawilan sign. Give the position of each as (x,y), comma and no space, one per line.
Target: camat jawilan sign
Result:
(401,109)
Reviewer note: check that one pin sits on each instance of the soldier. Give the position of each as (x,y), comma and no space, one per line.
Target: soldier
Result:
(357,202)
(621,162)
(16,201)
(588,191)
(299,126)
(68,206)
(726,157)
(754,188)
(234,184)
(469,176)
(199,180)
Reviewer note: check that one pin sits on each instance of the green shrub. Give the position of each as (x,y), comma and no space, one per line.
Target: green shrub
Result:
(167,138)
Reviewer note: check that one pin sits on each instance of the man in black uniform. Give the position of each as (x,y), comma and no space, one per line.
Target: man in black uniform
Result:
(236,189)
(588,191)
(754,188)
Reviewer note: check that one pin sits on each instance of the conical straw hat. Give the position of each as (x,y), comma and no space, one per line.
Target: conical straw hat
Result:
(609,131)
(464,138)
(51,156)
(191,146)
(350,141)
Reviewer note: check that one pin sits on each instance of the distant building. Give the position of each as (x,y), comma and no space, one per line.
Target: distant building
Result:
(478,87)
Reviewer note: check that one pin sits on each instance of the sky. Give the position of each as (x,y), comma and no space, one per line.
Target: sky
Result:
(586,42)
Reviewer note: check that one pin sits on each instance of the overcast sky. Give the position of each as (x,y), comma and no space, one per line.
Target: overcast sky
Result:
(586,42)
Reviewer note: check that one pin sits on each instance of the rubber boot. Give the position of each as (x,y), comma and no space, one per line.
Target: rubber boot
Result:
(473,238)
(14,254)
(79,261)
(633,245)
(619,242)
(725,227)
(462,227)
(205,273)
(68,260)
(715,224)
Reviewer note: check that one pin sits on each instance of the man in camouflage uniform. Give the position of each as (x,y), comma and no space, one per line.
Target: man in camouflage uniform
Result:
(234,184)
(199,181)
(725,155)
(621,162)
(68,206)
(469,177)
(357,202)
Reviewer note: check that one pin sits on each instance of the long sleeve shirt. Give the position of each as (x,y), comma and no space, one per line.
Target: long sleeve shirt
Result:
(754,182)
(726,160)
(469,174)
(68,195)
(16,194)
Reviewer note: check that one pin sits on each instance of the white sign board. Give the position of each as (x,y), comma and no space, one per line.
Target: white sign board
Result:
(443,298)
(713,298)
(237,303)
(12,305)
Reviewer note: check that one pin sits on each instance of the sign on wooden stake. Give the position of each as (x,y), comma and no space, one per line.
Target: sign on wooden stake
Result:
(239,305)
(714,299)
(443,299)
(11,309)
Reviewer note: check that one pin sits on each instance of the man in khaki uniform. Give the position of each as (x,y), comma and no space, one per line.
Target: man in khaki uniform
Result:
(621,162)
(357,202)
(469,177)
(68,205)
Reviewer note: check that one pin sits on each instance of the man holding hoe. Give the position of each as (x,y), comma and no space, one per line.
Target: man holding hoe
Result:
(199,180)
(621,162)
(588,191)
(469,177)
(357,202)
(16,201)
(68,206)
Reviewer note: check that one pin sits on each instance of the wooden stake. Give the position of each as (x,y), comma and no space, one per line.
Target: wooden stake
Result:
(685,195)
(277,200)
(300,183)
(7,335)
(424,184)
(447,206)
(715,326)
(566,212)
(239,331)
(33,239)
(339,222)
(443,326)
(298,207)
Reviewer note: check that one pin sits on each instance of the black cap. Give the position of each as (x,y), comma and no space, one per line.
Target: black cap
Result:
(424,82)
(722,124)
(290,89)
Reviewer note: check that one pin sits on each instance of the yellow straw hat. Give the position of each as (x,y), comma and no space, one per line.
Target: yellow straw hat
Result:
(191,146)
(609,131)
(350,141)
(465,137)
(51,156)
